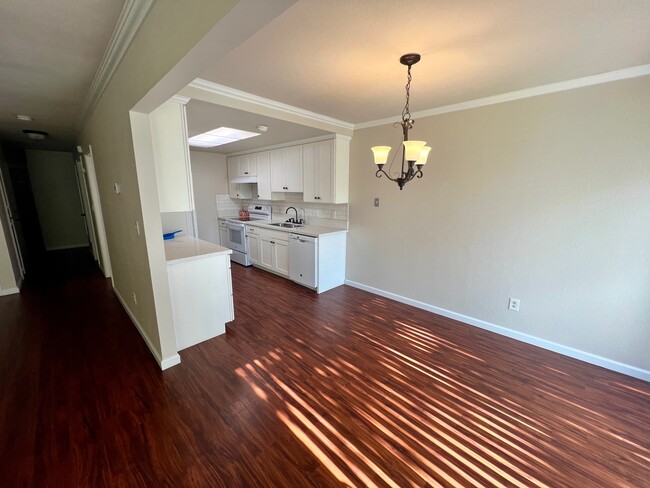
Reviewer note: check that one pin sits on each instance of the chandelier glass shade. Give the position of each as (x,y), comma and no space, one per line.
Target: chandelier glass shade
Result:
(414,153)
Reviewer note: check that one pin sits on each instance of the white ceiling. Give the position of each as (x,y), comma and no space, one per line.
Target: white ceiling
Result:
(49,53)
(204,116)
(340,58)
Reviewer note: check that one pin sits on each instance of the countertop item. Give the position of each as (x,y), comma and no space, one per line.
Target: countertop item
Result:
(185,248)
(306,230)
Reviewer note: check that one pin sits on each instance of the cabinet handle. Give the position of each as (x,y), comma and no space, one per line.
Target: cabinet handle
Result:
(272,242)
(245,172)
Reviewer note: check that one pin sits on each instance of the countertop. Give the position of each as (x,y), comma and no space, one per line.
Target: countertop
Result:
(185,248)
(305,230)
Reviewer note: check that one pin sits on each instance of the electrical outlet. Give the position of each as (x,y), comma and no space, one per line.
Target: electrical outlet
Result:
(376,202)
(135,299)
(513,304)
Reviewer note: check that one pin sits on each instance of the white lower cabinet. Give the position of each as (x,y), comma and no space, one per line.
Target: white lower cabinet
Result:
(254,250)
(274,251)
(224,238)
(318,263)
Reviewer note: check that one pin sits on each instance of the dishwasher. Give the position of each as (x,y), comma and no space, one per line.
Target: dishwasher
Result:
(302,259)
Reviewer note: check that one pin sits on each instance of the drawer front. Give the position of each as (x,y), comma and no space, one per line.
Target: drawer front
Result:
(276,235)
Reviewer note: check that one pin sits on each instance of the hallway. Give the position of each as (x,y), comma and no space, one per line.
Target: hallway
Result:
(345,388)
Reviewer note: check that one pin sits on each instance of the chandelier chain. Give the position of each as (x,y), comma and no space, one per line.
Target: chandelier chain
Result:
(406,113)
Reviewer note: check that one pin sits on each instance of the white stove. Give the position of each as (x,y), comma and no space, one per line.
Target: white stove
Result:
(237,232)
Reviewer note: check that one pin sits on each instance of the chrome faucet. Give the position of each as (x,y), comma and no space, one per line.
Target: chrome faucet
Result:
(292,219)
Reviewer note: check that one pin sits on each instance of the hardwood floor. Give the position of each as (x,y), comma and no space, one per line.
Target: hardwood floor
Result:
(345,388)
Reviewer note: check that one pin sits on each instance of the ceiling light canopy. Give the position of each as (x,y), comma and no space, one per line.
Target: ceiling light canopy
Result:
(35,135)
(219,137)
(414,153)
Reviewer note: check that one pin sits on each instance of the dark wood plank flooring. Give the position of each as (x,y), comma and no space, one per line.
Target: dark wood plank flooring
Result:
(342,389)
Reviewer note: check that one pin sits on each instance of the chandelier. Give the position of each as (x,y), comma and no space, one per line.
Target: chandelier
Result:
(414,153)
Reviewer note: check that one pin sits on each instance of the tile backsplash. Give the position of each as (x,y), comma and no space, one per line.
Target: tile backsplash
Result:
(327,214)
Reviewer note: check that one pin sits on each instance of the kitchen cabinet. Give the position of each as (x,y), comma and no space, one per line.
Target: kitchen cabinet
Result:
(245,165)
(264,175)
(238,190)
(274,251)
(171,156)
(326,170)
(254,250)
(200,286)
(286,169)
(224,238)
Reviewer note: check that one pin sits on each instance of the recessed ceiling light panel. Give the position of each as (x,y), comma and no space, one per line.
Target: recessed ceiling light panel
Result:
(219,137)
(26,118)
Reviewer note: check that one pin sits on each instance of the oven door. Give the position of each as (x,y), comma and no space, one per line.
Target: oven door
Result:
(237,237)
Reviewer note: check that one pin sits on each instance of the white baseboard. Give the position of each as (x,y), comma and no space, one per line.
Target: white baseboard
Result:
(626,369)
(164,363)
(9,291)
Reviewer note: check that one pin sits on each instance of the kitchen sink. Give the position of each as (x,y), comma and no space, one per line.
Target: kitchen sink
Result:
(286,225)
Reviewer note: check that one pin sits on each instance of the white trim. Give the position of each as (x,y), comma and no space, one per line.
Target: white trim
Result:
(164,363)
(621,74)
(9,291)
(610,364)
(132,15)
(69,246)
(242,96)
(180,99)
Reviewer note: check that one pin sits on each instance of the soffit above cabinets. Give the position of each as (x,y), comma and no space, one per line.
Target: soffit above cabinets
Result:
(204,116)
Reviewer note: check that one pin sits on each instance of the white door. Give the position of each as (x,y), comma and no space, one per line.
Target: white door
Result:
(88,162)
(12,226)
(266,252)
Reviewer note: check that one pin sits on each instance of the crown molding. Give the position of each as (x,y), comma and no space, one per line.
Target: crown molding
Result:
(242,96)
(132,15)
(622,74)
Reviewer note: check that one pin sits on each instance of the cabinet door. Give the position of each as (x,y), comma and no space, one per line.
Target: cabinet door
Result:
(281,254)
(172,157)
(254,248)
(264,176)
(309,172)
(223,237)
(277,169)
(266,252)
(293,169)
(248,166)
(324,172)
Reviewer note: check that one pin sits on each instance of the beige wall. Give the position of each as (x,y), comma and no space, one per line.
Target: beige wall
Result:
(170,31)
(545,199)
(209,178)
(56,194)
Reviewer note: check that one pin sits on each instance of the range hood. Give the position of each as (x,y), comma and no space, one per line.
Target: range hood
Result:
(244,179)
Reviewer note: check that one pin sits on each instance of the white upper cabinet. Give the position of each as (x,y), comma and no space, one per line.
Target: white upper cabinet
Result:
(245,165)
(286,169)
(236,167)
(172,157)
(264,175)
(326,170)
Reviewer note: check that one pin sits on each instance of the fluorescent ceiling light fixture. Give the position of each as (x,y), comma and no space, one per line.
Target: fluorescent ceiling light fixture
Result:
(219,137)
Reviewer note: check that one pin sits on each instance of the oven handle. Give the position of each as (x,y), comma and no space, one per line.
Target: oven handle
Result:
(234,226)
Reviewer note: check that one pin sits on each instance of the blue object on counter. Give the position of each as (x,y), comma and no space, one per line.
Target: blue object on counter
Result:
(170,235)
